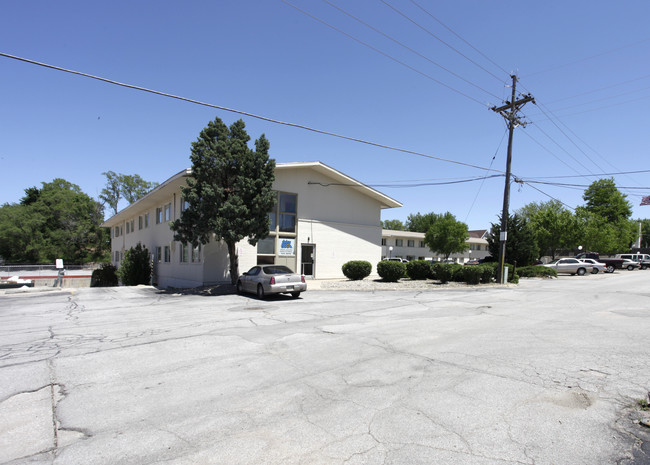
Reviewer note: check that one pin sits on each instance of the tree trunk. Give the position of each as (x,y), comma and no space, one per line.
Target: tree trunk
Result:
(234,262)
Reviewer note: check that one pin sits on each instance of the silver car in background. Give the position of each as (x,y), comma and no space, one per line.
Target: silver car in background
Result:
(570,266)
(597,265)
(271,279)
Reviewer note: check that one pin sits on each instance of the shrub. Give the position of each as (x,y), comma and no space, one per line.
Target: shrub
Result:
(135,267)
(511,268)
(104,276)
(458,275)
(418,269)
(536,272)
(356,269)
(391,271)
(487,274)
(442,272)
(472,274)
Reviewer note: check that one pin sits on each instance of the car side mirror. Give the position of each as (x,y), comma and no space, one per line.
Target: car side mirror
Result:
(245,273)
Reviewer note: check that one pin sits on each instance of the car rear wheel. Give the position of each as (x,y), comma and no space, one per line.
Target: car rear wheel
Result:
(239,288)
(630,267)
(610,268)
(595,271)
(260,292)
(295,295)
(581,271)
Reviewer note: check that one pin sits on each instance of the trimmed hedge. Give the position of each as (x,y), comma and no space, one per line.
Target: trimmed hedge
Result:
(391,271)
(356,270)
(418,269)
(104,276)
(536,272)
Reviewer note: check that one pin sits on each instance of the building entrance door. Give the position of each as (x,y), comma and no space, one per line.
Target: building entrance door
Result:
(308,259)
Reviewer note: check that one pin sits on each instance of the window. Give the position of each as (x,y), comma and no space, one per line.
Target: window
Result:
(266,246)
(117,256)
(422,244)
(127,227)
(117,231)
(196,254)
(399,242)
(168,256)
(383,242)
(288,212)
(184,204)
(410,243)
(184,252)
(146,220)
(168,212)
(159,215)
(158,254)
(140,222)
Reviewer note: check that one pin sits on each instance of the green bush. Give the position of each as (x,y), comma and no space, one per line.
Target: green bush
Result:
(356,270)
(458,275)
(536,272)
(135,267)
(472,274)
(104,276)
(487,273)
(512,276)
(391,271)
(418,269)
(442,272)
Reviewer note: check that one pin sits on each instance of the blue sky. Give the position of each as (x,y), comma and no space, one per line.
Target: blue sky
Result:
(586,63)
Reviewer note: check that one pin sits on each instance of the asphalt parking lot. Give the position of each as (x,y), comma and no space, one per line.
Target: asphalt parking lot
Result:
(547,372)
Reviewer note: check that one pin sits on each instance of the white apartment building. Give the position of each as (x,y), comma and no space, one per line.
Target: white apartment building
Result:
(410,246)
(322,219)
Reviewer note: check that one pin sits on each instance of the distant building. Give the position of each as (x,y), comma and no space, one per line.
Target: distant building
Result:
(410,246)
(322,219)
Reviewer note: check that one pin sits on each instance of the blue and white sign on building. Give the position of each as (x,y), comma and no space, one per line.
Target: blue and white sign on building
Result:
(287,246)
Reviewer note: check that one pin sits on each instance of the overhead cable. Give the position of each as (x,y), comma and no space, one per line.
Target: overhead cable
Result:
(252,115)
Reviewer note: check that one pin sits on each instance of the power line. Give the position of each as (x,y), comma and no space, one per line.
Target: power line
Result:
(399,186)
(599,89)
(458,35)
(587,58)
(409,49)
(399,12)
(595,175)
(390,57)
(252,115)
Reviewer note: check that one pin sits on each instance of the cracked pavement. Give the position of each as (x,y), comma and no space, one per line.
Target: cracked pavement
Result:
(543,373)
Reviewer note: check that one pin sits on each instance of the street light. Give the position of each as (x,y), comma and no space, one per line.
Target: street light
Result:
(390,252)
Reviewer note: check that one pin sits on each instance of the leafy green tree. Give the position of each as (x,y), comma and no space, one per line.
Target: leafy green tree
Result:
(229,191)
(521,246)
(111,194)
(135,267)
(129,187)
(555,227)
(393,225)
(56,221)
(133,187)
(446,235)
(420,223)
(606,201)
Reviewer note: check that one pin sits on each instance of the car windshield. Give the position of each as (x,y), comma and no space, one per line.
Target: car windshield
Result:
(554,262)
(277,269)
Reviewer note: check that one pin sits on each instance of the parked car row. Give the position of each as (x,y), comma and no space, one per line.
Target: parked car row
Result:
(582,266)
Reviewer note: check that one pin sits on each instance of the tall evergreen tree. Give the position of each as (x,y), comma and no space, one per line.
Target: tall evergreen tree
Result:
(521,246)
(229,191)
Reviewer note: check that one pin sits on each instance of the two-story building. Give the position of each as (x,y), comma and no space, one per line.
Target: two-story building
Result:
(322,219)
(410,246)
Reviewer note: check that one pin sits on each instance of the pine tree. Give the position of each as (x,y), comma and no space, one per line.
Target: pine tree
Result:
(229,191)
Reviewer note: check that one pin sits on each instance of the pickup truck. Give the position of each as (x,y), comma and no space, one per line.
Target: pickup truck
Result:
(611,263)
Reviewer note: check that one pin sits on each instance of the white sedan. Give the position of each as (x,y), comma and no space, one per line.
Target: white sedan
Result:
(597,265)
(570,266)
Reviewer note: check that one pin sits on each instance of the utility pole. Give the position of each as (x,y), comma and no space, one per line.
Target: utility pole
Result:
(509,112)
